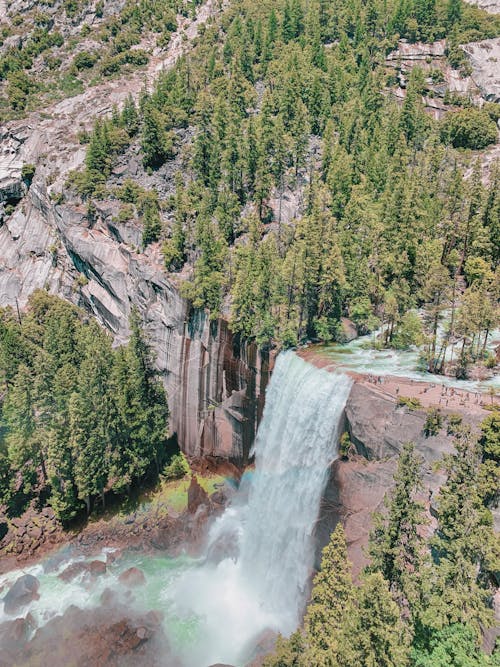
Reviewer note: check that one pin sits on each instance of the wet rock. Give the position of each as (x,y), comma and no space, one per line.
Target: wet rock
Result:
(13,637)
(197,496)
(349,331)
(23,591)
(97,568)
(73,570)
(132,577)
(108,597)
(103,636)
(261,646)
(154,618)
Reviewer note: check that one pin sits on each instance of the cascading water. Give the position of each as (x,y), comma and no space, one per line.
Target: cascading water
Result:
(259,553)
(270,524)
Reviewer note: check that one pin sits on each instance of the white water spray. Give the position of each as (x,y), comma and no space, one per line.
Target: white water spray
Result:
(268,530)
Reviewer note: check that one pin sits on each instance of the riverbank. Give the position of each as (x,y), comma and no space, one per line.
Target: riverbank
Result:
(169,517)
(439,393)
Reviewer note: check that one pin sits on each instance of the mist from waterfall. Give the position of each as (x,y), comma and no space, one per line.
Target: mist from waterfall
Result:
(260,552)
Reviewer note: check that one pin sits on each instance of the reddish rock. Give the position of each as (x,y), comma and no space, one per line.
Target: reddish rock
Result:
(97,568)
(197,496)
(21,593)
(35,532)
(132,577)
(73,570)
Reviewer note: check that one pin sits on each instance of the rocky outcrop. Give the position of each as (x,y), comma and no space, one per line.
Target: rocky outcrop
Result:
(490,6)
(480,85)
(484,58)
(214,384)
(378,428)
(33,532)
(197,496)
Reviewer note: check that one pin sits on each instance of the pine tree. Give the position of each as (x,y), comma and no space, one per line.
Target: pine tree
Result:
(129,116)
(374,635)
(157,143)
(396,547)
(464,546)
(23,438)
(331,602)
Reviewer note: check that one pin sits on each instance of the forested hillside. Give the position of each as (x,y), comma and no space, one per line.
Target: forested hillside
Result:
(291,97)
(79,418)
(55,49)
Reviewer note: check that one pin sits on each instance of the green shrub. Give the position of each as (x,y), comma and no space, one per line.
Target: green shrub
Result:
(27,173)
(84,60)
(433,422)
(177,468)
(493,110)
(126,213)
(345,445)
(454,424)
(469,128)
(410,402)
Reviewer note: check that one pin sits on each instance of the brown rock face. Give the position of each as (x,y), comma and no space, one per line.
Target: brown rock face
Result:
(97,567)
(197,496)
(132,578)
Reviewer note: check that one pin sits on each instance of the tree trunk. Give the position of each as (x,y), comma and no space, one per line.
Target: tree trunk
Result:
(485,341)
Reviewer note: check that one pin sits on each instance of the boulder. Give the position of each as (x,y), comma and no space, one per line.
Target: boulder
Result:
(349,331)
(132,578)
(21,593)
(74,570)
(197,496)
(13,637)
(97,568)
(105,636)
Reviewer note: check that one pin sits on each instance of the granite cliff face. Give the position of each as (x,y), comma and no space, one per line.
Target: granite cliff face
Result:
(215,385)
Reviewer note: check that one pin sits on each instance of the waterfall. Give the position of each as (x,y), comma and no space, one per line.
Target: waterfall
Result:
(264,541)
(295,445)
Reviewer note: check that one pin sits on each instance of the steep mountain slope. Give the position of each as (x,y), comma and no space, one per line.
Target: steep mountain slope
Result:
(274,240)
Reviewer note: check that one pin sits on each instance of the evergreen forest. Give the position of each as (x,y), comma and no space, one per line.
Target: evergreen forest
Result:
(79,417)
(295,100)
